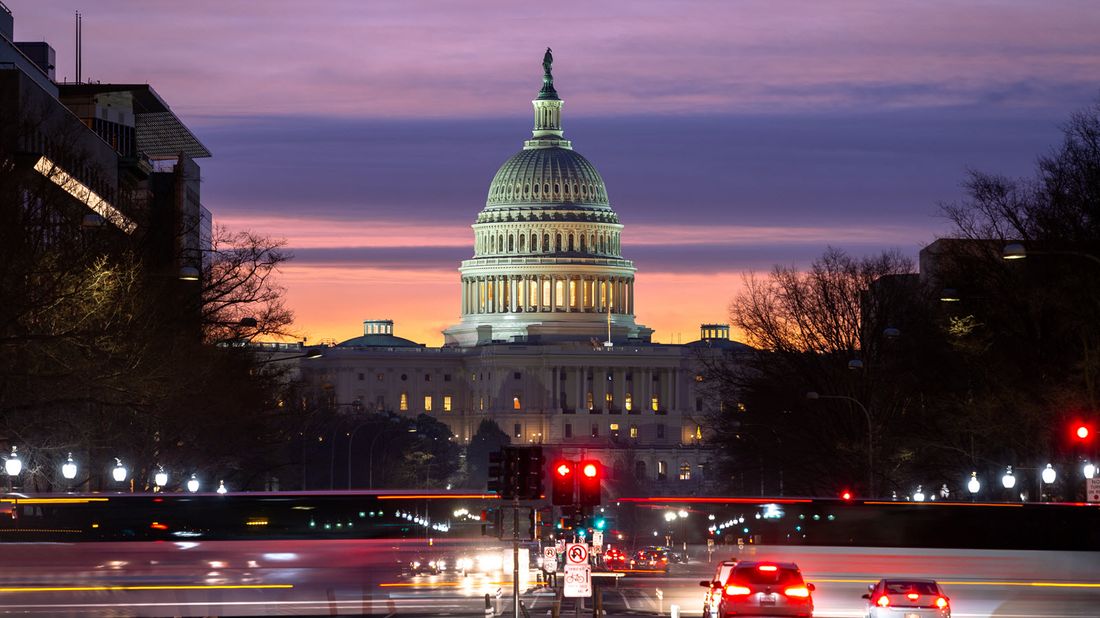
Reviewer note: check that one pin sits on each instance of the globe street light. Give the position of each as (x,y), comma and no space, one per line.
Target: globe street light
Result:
(919,496)
(193,484)
(973,485)
(13,466)
(1008,480)
(221,488)
(68,469)
(1049,474)
(1089,470)
(160,479)
(119,472)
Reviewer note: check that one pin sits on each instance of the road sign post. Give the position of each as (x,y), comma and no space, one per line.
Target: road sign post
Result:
(578,580)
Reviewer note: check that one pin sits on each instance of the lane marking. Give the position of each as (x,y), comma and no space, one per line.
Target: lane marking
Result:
(135,588)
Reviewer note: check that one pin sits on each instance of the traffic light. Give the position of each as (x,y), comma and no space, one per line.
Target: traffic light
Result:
(590,479)
(530,473)
(599,523)
(496,473)
(846,495)
(1082,432)
(563,483)
(491,521)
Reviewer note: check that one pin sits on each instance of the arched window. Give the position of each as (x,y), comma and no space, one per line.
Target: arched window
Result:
(582,244)
(492,244)
(571,242)
(545,188)
(546,243)
(639,470)
(500,243)
(685,471)
(557,242)
(536,189)
(511,243)
(534,242)
(404,405)
(522,242)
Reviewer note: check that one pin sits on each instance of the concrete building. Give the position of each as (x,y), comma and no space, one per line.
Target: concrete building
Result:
(547,346)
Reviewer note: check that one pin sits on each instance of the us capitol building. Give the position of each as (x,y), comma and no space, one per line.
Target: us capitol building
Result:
(547,346)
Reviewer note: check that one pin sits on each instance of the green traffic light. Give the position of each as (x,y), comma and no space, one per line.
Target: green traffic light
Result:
(601,523)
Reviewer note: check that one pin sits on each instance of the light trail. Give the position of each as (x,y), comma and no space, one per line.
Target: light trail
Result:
(150,587)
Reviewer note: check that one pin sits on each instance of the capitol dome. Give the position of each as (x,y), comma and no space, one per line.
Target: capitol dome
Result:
(547,264)
(547,176)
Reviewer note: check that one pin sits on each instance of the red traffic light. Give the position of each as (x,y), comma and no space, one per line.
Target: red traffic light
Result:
(1082,432)
(588,493)
(846,495)
(564,469)
(590,470)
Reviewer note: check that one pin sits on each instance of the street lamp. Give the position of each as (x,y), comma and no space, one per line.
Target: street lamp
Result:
(119,472)
(1049,474)
(68,469)
(1017,251)
(813,395)
(1008,480)
(1089,470)
(13,466)
(973,485)
(161,477)
(919,496)
(221,487)
(193,484)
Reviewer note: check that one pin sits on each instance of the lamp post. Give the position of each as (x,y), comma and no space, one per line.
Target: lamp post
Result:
(221,488)
(119,472)
(13,466)
(1008,481)
(813,395)
(68,470)
(1017,251)
(160,479)
(1047,476)
(193,484)
(973,486)
(1089,470)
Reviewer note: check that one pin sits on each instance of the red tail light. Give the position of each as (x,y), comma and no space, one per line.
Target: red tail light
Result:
(768,567)
(801,592)
(941,603)
(912,596)
(734,590)
(883,601)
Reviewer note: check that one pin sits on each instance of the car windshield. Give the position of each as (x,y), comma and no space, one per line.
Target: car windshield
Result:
(907,587)
(779,576)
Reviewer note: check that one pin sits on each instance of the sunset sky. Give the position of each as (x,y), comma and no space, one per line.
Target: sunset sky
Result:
(732,135)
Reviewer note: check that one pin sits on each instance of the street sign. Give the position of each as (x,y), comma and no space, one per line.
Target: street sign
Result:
(1092,490)
(549,559)
(578,580)
(559,546)
(597,541)
(576,553)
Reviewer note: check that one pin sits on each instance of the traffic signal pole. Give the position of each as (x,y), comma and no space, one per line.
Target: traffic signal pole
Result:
(515,557)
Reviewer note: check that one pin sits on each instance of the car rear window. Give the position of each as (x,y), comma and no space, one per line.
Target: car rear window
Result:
(724,573)
(753,575)
(905,587)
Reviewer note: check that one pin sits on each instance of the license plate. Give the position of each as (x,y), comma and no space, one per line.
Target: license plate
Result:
(912,616)
(768,599)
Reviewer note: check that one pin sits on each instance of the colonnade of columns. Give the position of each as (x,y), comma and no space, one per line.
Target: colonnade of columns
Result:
(648,390)
(547,293)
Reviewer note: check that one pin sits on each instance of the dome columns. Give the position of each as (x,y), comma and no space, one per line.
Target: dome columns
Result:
(547,293)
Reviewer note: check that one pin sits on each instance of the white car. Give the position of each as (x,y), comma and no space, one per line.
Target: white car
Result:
(907,598)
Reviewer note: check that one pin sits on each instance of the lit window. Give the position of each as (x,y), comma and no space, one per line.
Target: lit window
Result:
(685,471)
(609,399)
(698,377)
(633,431)
(446,403)
(698,432)
(516,405)
(404,402)
(588,401)
(628,402)
(427,403)
(614,430)
(481,403)
(655,403)
(662,471)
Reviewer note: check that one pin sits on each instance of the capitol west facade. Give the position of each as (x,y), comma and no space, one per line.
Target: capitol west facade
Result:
(547,345)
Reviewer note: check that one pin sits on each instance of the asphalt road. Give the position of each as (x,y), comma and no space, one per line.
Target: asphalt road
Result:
(373,577)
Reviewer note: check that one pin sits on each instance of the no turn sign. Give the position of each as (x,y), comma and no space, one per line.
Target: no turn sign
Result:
(576,553)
